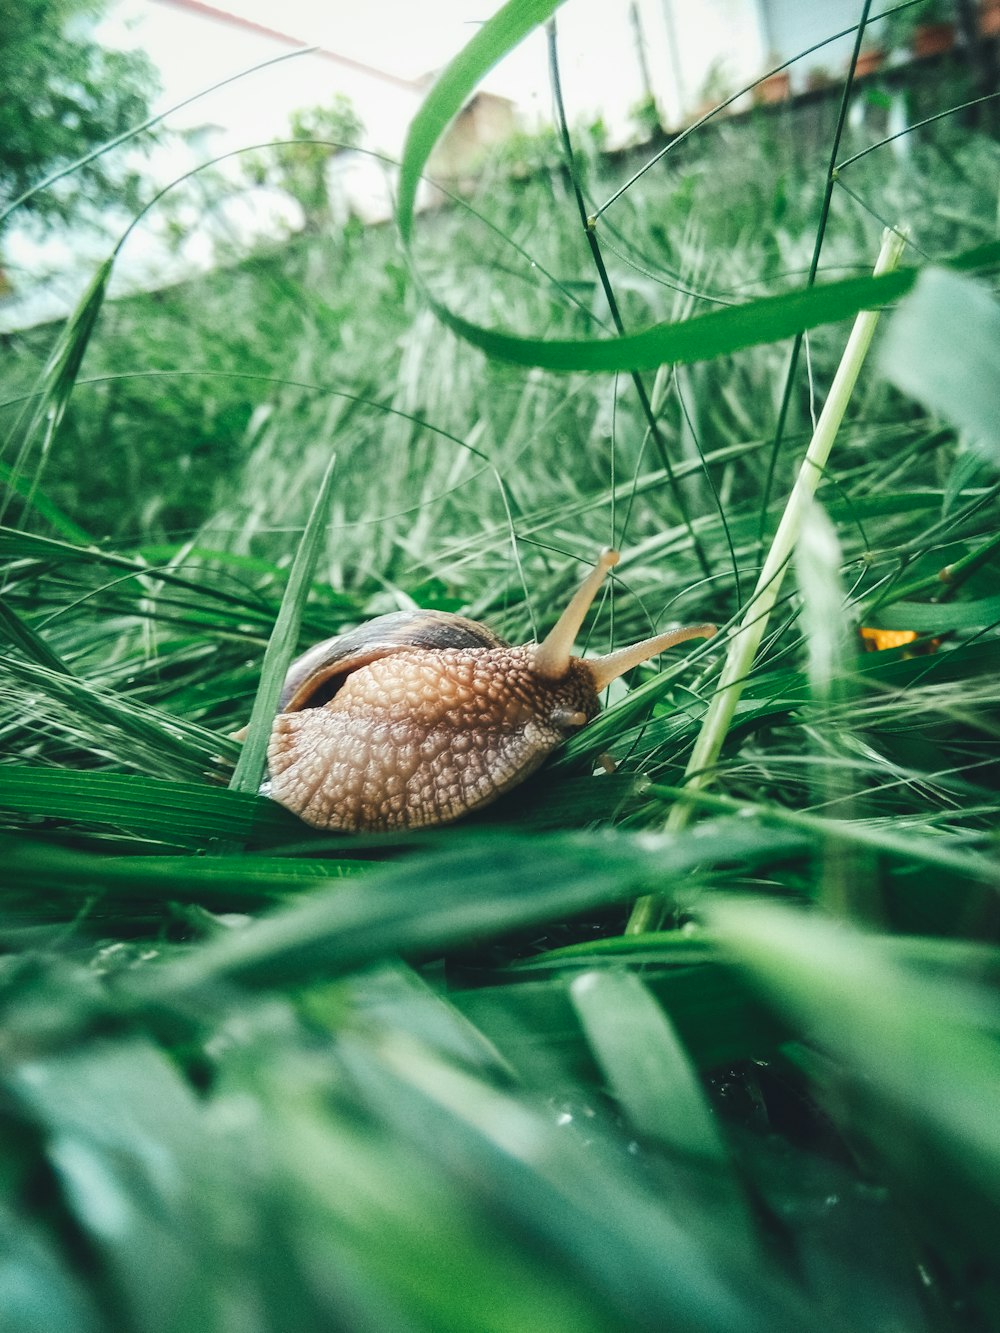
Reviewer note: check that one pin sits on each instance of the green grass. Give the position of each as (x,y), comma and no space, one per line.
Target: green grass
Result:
(254,1076)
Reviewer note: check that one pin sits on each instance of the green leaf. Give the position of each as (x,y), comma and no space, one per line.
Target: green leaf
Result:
(470,891)
(61,882)
(124,1136)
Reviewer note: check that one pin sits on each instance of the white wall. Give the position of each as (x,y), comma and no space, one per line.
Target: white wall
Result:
(790,26)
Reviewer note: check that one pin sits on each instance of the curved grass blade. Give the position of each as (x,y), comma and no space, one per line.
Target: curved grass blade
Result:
(702,337)
(491,43)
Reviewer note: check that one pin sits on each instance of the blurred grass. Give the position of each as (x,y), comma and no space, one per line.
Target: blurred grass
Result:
(426,1082)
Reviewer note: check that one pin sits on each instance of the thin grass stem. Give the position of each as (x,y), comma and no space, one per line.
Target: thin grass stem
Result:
(747,638)
(602,272)
(821,226)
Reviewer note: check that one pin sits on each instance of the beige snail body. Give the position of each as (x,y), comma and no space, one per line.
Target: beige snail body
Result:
(416,719)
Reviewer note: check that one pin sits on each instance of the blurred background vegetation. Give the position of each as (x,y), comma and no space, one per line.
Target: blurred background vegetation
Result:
(64,95)
(255,1077)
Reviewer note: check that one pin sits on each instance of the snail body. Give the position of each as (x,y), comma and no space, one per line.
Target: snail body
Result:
(417,719)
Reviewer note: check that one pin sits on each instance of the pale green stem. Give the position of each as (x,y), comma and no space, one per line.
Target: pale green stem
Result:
(746,638)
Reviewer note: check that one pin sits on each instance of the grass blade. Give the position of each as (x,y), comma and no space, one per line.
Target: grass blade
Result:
(491,43)
(178,814)
(654,1083)
(22,636)
(472,891)
(56,387)
(917,1062)
(282,644)
(646,1066)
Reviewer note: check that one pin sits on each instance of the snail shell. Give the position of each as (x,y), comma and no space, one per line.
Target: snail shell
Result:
(418,718)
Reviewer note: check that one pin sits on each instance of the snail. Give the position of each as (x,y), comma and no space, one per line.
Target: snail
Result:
(418,718)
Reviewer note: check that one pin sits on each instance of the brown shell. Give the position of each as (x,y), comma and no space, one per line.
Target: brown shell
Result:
(416,736)
(315,677)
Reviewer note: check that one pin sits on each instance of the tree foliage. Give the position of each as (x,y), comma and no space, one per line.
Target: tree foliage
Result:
(63,94)
(301,165)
